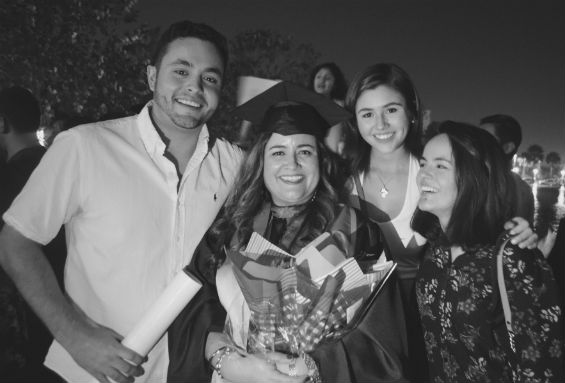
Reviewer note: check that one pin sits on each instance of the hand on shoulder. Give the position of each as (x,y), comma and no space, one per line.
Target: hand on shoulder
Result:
(521,232)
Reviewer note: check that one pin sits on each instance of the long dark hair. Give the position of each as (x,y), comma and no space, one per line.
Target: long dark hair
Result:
(340,84)
(234,224)
(393,76)
(485,191)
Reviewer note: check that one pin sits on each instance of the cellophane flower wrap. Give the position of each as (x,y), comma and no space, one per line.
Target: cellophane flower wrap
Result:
(296,302)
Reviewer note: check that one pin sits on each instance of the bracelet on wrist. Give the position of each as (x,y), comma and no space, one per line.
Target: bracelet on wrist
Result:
(215,354)
(224,353)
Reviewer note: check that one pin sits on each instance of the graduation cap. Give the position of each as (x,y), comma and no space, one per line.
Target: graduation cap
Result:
(287,109)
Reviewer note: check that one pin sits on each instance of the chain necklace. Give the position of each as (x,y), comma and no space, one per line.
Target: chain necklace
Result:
(400,167)
(384,189)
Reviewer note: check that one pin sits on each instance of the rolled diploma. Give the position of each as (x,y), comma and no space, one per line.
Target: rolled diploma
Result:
(162,313)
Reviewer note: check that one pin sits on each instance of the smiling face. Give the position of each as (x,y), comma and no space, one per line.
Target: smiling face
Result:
(382,118)
(291,168)
(324,82)
(437,179)
(186,84)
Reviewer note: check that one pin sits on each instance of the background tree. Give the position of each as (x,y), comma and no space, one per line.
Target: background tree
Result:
(553,159)
(87,58)
(533,154)
(266,54)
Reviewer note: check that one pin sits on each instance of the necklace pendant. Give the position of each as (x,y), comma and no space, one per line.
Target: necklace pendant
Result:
(384,192)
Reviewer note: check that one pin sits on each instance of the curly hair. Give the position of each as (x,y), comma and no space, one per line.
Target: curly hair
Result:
(234,225)
(340,84)
(485,191)
(393,76)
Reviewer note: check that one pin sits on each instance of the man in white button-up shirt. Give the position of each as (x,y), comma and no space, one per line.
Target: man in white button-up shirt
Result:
(136,195)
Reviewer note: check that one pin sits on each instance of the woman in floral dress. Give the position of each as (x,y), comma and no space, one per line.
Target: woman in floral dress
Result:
(466,195)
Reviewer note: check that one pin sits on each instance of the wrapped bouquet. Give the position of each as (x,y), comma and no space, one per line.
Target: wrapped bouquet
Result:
(291,304)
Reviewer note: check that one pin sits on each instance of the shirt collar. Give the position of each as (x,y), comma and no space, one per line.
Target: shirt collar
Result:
(153,142)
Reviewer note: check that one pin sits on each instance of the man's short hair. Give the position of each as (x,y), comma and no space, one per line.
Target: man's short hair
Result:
(20,109)
(506,129)
(187,28)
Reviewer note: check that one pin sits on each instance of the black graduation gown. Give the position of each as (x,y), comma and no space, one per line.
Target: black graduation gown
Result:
(188,333)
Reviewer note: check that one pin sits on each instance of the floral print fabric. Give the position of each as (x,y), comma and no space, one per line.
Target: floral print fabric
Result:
(466,339)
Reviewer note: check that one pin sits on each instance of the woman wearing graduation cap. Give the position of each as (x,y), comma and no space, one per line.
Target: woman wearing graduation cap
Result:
(287,193)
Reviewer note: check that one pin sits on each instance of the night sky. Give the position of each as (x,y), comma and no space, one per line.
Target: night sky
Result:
(468,59)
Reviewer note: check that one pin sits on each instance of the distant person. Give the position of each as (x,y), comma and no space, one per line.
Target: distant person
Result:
(328,80)
(136,196)
(25,339)
(508,133)
(464,202)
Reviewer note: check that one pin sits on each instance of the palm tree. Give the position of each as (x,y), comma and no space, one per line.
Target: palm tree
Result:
(553,159)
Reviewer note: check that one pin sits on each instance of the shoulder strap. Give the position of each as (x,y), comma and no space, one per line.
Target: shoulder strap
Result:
(352,230)
(504,294)
(361,193)
(363,205)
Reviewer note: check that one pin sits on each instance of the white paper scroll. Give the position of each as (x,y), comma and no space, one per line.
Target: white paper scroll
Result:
(162,313)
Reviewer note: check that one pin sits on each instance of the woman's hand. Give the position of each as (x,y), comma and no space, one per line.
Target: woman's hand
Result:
(238,368)
(522,234)
(288,364)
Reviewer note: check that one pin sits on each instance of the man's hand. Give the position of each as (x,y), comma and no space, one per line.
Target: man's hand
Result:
(523,235)
(98,350)
(546,243)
